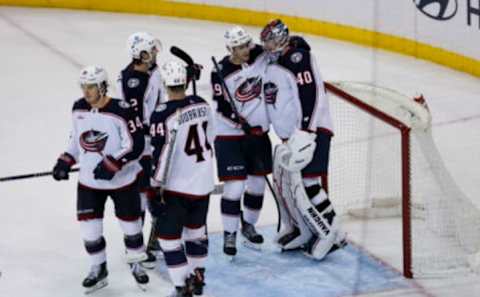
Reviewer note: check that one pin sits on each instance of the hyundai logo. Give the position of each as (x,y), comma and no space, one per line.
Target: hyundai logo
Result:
(440,10)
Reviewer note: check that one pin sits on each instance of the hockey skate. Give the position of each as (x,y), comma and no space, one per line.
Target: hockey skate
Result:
(140,276)
(151,260)
(339,243)
(186,290)
(230,244)
(198,281)
(96,279)
(252,239)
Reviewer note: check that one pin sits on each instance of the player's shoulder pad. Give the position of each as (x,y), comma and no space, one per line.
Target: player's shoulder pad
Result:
(81,104)
(295,58)
(297,41)
(119,107)
(132,79)
(163,111)
(195,99)
(227,67)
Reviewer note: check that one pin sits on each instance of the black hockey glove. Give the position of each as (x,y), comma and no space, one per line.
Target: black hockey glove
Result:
(299,42)
(62,167)
(156,203)
(244,125)
(194,71)
(107,168)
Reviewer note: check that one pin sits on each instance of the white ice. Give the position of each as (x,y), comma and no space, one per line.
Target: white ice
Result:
(41,253)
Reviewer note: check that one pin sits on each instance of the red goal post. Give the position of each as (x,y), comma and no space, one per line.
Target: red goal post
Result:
(384,162)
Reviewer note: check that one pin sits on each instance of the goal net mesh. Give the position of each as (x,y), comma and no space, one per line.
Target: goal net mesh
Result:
(371,175)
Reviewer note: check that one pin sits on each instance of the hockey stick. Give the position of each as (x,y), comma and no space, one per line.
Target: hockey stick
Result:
(163,181)
(31,175)
(237,114)
(216,191)
(176,51)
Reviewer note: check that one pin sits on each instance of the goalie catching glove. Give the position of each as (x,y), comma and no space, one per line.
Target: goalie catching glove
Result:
(297,152)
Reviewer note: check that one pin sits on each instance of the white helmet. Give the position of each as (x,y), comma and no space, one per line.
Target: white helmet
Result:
(97,75)
(174,73)
(142,42)
(298,152)
(236,36)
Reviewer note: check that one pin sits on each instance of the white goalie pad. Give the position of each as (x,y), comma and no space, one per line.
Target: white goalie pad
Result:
(297,211)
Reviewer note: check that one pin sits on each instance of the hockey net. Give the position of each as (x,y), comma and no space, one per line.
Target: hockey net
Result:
(384,163)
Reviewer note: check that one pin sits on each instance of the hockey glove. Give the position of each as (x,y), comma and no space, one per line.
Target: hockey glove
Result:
(194,71)
(107,168)
(62,167)
(244,125)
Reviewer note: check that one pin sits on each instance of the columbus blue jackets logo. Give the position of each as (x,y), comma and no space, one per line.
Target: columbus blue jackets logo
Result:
(296,57)
(161,107)
(93,141)
(249,89)
(123,104)
(440,10)
(133,83)
(270,91)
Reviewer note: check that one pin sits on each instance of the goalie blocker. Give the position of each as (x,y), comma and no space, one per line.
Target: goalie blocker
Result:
(303,225)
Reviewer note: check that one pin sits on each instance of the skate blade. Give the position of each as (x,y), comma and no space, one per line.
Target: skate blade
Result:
(136,258)
(101,284)
(253,246)
(142,287)
(229,258)
(148,265)
(284,250)
(337,246)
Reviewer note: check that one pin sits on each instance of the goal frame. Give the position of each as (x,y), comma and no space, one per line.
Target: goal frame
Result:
(405,169)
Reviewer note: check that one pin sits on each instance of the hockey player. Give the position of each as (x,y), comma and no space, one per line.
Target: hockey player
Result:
(242,145)
(297,101)
(182,135)
(106,141)
(141,86)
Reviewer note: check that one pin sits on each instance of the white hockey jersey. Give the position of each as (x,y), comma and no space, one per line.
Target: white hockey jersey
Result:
(245,84)
(113,130)
(296,95)
(188,171)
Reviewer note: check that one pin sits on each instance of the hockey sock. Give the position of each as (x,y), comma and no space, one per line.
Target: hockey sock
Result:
(196,247)
(176,260)
(93,240)
(252,206)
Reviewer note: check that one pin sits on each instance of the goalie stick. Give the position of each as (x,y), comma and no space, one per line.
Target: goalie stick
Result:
(245,125)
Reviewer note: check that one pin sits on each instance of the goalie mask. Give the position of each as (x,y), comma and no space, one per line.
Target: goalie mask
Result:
(275,36)
(297,153)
